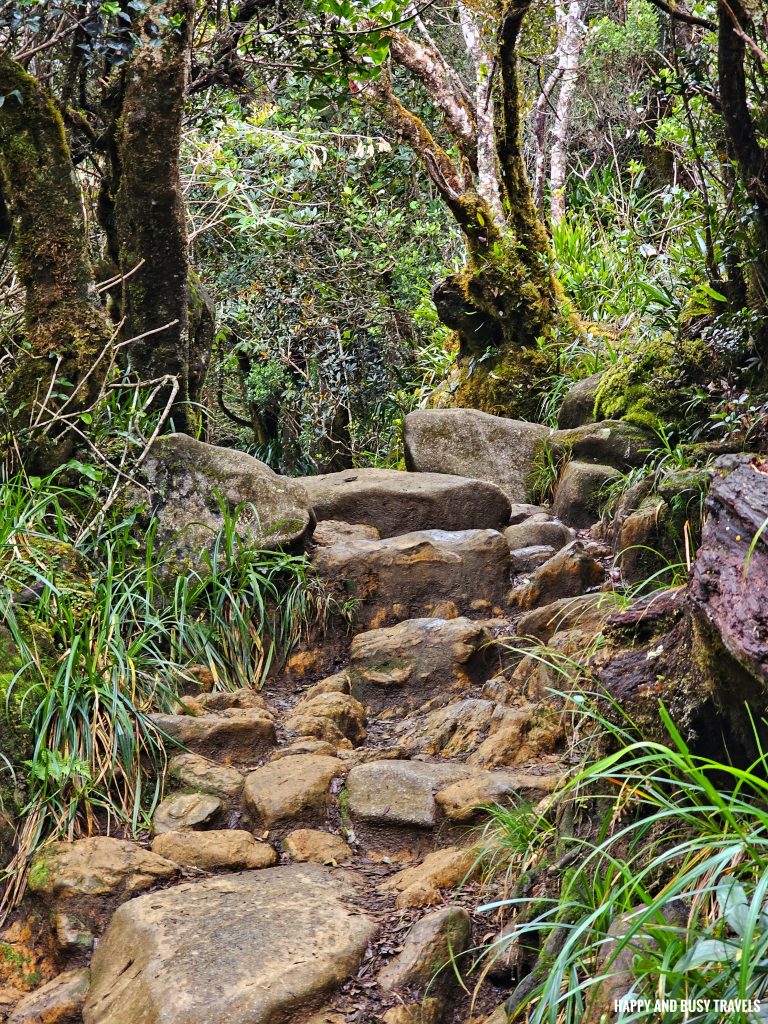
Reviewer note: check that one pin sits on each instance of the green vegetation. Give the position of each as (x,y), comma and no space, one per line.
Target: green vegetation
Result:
(669,888)
(98,639)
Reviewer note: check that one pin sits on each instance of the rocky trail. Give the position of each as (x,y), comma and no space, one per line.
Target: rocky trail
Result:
(313,861)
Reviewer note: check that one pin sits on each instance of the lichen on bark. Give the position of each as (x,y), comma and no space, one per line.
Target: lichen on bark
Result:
(68,336)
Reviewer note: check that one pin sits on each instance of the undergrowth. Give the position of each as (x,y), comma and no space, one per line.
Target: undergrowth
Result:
(102,638)
(665,896)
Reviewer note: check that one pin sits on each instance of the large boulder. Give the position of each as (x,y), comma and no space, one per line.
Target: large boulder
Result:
(610,443)
(396,502)
(467,442)
(427,573)
(411,662)
(80,883)
(250,948)
(186,483)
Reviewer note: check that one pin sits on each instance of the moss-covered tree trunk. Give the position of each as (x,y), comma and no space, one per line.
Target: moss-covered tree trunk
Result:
(163,309)
(505,297)
(746,136)
(68,337)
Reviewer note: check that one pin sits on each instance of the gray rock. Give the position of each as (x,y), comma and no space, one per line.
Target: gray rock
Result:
(417,659)
(396,502)
(610,442)
(577,498)
(578,405)
(185,810)
(427,573)
(522,511)
(400,792)
(530,558)
(185,478)
(467,442)
(255,948)
(532,533)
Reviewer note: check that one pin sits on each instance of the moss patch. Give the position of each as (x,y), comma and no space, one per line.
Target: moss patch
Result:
(644,388)
(510,383)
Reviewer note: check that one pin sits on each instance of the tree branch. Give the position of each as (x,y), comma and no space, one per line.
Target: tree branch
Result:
(682,15)
(426,63)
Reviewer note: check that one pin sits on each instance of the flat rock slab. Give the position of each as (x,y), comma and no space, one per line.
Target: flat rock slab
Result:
(249,948)
(292,788)
(471,443)
(239,735)
(396,502)
(408,663)
(427,573)
(400,792)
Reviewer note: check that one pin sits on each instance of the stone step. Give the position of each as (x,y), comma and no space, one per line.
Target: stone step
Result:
(407,664)
(396,502)
(425,573)
(250,948)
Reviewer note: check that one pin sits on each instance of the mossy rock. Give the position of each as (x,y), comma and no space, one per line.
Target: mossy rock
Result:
(644,388)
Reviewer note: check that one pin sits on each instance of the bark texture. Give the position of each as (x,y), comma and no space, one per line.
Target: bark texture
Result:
(67,332)
(747,145)
(505,298)
(162,309)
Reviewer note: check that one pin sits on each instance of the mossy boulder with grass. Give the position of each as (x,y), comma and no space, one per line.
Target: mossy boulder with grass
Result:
(15,740)
(644,388)
(192,491)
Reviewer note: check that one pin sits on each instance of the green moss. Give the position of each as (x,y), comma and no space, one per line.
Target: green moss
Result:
(38,874)
(644,388)
(508,383)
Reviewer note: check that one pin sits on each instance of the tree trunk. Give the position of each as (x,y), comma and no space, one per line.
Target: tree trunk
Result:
(145,218)
(68,335)
(750,153)
(571,30)
(506,297)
